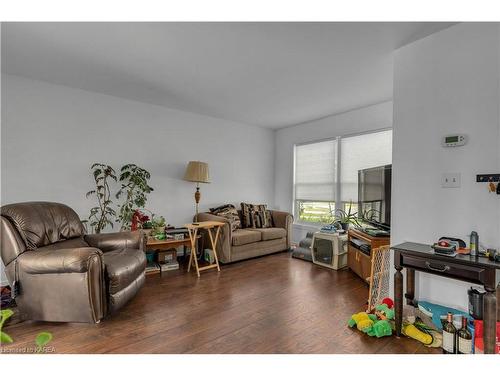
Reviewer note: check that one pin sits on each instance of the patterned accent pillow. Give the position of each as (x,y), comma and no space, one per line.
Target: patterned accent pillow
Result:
(256,216)
(247,215)
(262,216)
(229,212)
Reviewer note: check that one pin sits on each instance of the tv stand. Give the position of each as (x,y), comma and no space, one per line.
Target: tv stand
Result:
(357,258)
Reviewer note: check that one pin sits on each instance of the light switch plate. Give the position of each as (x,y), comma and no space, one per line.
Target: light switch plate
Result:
(450,180)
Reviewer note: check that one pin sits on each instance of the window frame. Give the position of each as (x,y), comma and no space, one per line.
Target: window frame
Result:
(338,176)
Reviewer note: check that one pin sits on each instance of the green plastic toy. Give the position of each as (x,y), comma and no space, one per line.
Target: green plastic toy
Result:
(386,311)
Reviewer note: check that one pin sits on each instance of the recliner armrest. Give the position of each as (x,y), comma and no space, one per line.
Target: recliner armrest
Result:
(115,241)
(76,260)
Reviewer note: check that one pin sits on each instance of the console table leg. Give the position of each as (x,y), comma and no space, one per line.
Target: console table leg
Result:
(410,286)
(398,299)
(490,319)
(498,302)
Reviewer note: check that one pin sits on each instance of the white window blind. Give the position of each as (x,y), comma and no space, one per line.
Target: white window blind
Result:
(361,152)
(315,171)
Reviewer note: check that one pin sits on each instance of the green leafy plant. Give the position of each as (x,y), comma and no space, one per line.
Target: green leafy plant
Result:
(134,186)
(41,340)
(101,215)
(345,218)
(158,222)
(158,227)
(4,315)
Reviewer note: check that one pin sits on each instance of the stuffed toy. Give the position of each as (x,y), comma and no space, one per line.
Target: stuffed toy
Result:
(411,331)
(381,328)
(420,327)
(384,312)
(369,324)
(362,321)
(389,302)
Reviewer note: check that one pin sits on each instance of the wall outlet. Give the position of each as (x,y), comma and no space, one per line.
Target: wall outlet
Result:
(450,180)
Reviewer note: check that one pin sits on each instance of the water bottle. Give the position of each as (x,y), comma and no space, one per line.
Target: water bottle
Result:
(474,244)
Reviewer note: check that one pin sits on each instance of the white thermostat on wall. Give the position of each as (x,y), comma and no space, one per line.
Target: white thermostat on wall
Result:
(454,140)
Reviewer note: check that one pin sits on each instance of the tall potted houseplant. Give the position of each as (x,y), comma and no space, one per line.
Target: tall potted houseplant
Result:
(101,215)
(134,188)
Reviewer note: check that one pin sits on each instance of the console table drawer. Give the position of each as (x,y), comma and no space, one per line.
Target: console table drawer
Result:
(444,267)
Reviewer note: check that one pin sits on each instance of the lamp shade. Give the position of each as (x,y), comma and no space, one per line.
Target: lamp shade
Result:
(197,171)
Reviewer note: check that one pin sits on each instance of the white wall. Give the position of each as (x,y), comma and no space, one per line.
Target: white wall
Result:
(446,83)
(52,134)
(374,117)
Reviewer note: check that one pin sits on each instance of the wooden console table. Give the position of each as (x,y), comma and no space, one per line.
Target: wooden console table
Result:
(193,233)
(419,257)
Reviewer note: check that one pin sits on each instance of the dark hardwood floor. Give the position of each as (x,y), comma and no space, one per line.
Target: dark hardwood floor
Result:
(273,304)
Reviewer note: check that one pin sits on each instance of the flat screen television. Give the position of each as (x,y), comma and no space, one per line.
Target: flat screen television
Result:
(374,196)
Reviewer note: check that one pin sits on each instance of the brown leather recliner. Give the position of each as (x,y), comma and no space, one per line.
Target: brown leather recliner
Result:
(63,274)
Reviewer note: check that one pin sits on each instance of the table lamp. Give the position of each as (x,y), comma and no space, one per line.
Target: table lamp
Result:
(197,171)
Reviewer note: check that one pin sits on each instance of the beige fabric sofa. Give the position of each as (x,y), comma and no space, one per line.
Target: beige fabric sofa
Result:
(252,242)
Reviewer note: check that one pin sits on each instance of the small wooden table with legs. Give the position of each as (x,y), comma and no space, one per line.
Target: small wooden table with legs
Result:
(421,258)
(193,233)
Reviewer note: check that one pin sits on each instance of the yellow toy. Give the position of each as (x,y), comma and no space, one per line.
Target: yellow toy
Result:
(411,331)
(362,321)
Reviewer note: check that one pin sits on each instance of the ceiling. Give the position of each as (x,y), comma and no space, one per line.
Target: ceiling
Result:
(267,74)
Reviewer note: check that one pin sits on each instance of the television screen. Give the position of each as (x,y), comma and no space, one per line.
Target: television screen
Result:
(374,196)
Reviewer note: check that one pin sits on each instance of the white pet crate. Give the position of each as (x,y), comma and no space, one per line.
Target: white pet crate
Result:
(329,250)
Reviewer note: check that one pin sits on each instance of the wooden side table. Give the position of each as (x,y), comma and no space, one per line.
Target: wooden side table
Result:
(193,233)
(167,244)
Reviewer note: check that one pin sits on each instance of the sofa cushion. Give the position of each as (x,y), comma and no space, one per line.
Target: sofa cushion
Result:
(123,267)
(229,212)
(255,216)
(245,236)
(270,233)
(247,215)
(262,216)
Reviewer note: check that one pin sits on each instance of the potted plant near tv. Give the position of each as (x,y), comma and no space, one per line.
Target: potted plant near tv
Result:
(346,218)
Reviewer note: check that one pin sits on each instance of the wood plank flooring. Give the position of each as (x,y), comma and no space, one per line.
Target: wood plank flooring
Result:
(273,304)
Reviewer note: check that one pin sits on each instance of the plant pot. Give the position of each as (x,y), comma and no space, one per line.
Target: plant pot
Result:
(345,226)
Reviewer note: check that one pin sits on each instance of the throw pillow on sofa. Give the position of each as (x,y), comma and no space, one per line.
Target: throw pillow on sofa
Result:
(246,215)
(229,212)
(255,216)
(262,216)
